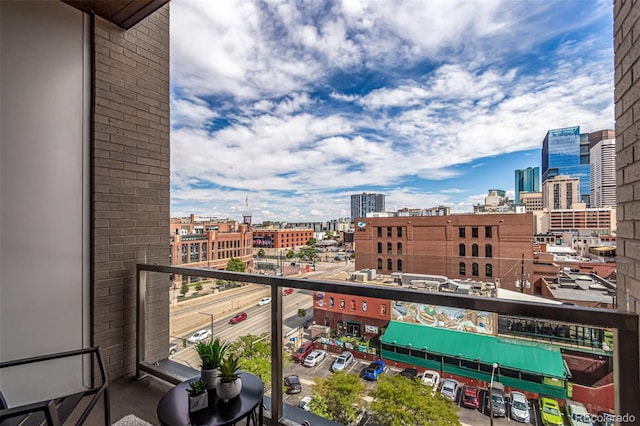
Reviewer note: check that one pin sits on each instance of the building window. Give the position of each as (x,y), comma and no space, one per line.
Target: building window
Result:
(341,303)
(379,231)
(487,232)
(474,232)
(379,263)
(399,248)
(352,305)
(474,250)
(474,269)
(383,309)
(488,252)
(389,248)
(488,270)
(399,265)
(379,247)
(388,232)
(461,232)
(399,231)
(462,268)
(462,250)
(389,264)
(204,251)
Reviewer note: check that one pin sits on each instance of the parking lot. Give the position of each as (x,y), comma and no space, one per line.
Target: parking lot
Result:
(467,416)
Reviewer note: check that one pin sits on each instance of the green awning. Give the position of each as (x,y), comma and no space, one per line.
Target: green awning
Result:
(517,354)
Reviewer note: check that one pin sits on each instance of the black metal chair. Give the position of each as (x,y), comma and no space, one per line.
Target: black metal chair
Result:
(57,410)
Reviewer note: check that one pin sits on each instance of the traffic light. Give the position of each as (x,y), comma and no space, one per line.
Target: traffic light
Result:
(184,343)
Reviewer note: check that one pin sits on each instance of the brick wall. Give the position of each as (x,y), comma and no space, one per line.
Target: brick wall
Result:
(627,97)
(130,206)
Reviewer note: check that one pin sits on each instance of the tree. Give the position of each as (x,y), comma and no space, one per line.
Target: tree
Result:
(184,289)
(328,234)
(398,401)
(308,252)
(312,242)
(290,254)
(236,265)
(342,395)
(261,253)
(198,286)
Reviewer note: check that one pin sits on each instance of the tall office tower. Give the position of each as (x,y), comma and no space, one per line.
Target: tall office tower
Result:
(527,180)
(560,192)
(364,203)
(566,152)
(602,154)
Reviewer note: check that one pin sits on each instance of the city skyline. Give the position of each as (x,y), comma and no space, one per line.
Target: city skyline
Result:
(304,107)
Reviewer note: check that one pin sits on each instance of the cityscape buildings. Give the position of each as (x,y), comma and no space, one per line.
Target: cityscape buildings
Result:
(527,180)
(560,192)
(566,152)
(364,203)
(602,153)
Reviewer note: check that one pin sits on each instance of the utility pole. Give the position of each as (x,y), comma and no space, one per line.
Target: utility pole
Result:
(522,282)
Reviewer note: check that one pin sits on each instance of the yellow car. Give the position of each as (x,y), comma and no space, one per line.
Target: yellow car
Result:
(550,412)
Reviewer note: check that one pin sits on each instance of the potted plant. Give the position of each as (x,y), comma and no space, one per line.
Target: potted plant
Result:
(198,397)
(230,382)
(211,353)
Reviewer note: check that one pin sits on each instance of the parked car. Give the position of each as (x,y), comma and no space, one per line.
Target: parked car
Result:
(314,358)
(550,412)
(577,414)
(287,291)
(374,369)
(173,348)
(292,384)
(497,400)
(199,336)
(303,351)
(304,403)
(410,373)
(470,396)
(342,362)
(430,378)
(450,389)
(520,407)
(264,301)
(238,318)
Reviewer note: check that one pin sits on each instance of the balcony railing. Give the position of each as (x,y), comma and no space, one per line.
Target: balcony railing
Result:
(625,325)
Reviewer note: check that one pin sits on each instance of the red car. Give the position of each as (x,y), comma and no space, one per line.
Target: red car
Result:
(470,397)
(287,291)
(239,317)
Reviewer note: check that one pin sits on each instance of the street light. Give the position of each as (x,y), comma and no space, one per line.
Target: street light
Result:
(211,315)
(495,365)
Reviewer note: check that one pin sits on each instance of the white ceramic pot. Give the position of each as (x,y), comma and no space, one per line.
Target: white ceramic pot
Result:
(198,402)
(227,391)
(210,378)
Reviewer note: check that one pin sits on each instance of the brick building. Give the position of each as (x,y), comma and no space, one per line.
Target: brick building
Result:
(481,247)
(281,238)
(209,243)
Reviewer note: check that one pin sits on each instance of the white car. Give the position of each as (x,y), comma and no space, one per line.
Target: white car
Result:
(450,389)
(264,301)
(304,403)
(430,378)
(199,336)
(342,362)
(520,407)
(314,358)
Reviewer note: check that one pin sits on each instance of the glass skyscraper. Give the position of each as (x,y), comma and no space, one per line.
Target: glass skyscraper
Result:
(566,152)
(527,180)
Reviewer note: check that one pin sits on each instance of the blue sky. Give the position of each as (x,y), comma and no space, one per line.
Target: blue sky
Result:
(296,105)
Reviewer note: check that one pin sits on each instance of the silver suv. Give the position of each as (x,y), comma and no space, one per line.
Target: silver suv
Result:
(342,362)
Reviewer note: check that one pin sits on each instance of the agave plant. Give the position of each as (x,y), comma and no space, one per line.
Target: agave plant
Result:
(211,353)
(229,369)
(196,388)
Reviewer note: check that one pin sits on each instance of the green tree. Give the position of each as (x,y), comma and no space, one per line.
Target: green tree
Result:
(198,286)
(290,254)
(398,401)
(236,265)
(309,252)
(328,234)
(184,289)
(261,253)
(312,242)
(342,395)
(254,353)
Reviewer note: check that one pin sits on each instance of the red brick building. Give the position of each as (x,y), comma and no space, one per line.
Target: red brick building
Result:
(486,247)
(281,238)
(210,243)
(353,315)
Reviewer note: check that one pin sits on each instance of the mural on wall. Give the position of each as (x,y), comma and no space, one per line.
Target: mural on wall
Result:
(445,317)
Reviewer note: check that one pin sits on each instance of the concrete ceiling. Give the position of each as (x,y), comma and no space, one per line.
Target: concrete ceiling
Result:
(123,13)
